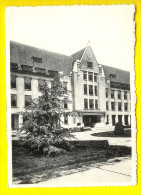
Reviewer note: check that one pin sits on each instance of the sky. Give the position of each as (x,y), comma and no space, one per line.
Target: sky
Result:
(67,29)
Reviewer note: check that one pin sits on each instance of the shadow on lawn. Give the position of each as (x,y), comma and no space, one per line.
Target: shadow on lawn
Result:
(127,133)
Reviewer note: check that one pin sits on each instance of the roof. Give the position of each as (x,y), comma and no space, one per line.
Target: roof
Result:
(22,54)
(122,76)
(78,55)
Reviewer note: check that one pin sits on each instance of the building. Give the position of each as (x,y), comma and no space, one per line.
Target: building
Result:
(101,93)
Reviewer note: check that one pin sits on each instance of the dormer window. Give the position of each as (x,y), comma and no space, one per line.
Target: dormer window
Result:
(113,76)
(89,65)
(36,59)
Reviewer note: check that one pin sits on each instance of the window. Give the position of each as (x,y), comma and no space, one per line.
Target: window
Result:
(125,95)
(96,91)
(27,83)
(85,103)
(113,76)
(27,100)
(95,77)
(65,104)
(90,90)
(120,118)
(65,119)
(90,76)
(65,85)
(119,94)
(13,100)
(41,84)
(14,121)
(106,92)
(85,76)
(96,104)
(13,82)
(107,105)
(37,59)
(85,89)
(112,93)
(89,64)
(125,106)
(119,106)
(91,104)
(113,106)
(107,119)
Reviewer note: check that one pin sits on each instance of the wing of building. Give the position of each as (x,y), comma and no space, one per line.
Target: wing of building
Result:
(100,92)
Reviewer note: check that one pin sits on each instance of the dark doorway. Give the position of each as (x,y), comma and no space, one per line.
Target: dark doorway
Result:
(126,119)
(90,120)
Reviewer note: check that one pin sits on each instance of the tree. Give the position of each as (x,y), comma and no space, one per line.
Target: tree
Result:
(41,125)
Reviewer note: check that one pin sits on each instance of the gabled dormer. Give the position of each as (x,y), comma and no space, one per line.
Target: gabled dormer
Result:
(87,59)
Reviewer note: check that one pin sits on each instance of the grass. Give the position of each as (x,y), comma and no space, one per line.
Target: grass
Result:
(127,133)
(29,168)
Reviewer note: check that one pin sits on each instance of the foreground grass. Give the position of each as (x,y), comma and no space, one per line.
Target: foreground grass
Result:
(29,168)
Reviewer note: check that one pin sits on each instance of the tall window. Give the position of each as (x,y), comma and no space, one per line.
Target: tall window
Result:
(85,89)
(107,105)
(96,91)
(107,119)
(27,83)
(95,77)
(113,106)
(96,104)
(106,91)
(13,100)
(112,93)
(65,104)
(41,84)
(90,89)
(125,95)
(89,65)
(65,85)
(126,106)
(91,103)
(13,82)
(65,119)
(85,76)
(85,103)
(119,94)
(119,106)
(27,100)
(90,76)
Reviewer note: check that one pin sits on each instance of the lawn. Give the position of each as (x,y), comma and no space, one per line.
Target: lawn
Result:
(34,168)
(127,133)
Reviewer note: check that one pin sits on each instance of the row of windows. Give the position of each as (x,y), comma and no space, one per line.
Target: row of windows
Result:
(91,104)
(93,90)
(119,106)
(28,101)
(118,94)
(119,118)
(27,83)
(14,100)
(89,76)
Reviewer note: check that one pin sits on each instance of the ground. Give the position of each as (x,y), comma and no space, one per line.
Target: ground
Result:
(29,168)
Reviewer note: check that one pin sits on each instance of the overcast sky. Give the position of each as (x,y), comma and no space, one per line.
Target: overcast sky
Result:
(67,29)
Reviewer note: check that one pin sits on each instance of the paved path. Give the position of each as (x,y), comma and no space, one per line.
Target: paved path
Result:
(118,173)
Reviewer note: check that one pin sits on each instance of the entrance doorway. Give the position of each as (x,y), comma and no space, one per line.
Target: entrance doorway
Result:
(90,120)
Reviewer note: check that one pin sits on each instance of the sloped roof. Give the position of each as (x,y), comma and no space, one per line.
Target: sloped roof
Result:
(78,55)
(22,54)
(122,76)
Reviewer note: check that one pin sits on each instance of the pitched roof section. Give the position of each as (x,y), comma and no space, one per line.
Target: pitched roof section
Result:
(78,55)
(22,54)
(122,76)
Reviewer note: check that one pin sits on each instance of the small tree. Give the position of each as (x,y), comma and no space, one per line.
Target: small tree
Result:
(41,127)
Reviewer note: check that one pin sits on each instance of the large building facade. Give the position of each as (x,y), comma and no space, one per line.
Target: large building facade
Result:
(101,93)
